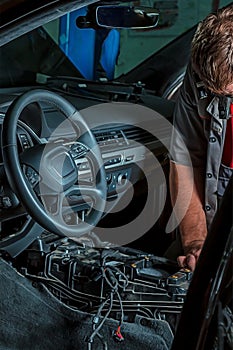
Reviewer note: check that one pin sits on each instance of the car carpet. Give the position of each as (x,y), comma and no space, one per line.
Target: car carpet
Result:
(32,318)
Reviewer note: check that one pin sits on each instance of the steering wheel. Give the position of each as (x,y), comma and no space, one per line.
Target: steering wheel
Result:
(53,168)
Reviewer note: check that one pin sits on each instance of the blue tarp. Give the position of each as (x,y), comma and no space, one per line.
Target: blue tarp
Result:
(80,46)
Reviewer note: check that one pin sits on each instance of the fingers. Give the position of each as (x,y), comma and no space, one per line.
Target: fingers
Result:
(181,261)
(189,261)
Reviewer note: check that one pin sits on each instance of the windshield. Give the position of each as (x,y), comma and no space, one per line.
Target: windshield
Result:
(60,48)
(28,57)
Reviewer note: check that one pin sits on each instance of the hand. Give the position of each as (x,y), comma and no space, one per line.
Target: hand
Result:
(189,261)
(192,252)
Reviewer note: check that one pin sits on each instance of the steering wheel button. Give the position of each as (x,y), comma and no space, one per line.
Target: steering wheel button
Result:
(6,202)
(24,141)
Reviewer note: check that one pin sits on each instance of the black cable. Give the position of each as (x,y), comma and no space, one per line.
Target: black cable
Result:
(97,329)
(96,320)
(117,334)
(117,284)
(101,307)
(121,308)
(111,281)
(105,345)
(125,278)
(110,278)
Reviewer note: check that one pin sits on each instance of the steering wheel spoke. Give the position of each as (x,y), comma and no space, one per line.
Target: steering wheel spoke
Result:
(86,193)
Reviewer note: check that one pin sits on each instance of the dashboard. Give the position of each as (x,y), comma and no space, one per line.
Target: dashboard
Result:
(131,137)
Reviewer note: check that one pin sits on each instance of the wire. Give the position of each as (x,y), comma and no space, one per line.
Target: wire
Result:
(105,345)
(101,307)
(110,276)
(111,280)
(122,310)
(125,278)
(96,330)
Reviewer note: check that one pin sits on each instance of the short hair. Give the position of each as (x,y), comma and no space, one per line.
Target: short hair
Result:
(212,50)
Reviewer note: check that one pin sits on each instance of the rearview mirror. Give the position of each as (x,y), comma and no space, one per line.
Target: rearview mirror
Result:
(119,16)
(113,16)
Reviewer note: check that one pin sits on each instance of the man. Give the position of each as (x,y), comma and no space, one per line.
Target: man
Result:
(203,123)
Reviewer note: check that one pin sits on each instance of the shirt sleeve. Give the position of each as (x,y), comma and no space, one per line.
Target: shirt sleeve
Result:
(188,141)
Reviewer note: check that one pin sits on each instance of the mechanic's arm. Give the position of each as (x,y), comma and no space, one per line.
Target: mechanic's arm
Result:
(187,194)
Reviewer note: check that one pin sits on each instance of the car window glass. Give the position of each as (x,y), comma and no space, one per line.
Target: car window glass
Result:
(124,49)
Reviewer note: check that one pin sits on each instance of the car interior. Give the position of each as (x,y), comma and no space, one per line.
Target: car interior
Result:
(85,211)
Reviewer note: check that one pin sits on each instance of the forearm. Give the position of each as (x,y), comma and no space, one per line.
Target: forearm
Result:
(187,195)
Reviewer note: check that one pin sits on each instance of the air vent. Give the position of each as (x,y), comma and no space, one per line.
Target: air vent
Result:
(109,137)
(139,135)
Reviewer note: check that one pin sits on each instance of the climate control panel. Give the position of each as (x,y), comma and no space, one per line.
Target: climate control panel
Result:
(118,179)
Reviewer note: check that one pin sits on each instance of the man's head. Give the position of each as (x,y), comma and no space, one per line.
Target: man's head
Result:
(212,51)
